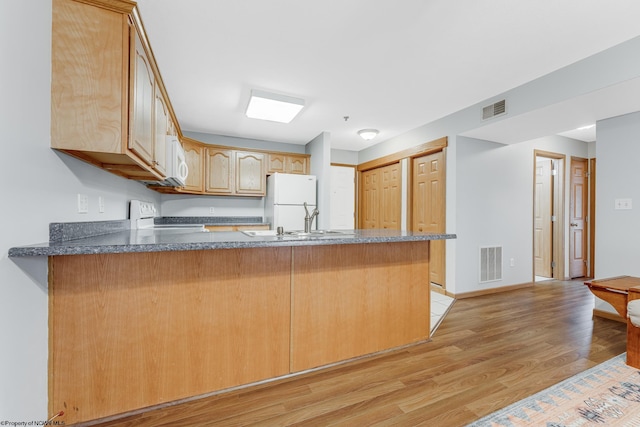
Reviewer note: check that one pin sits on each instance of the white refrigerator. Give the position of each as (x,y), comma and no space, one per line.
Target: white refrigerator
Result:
(286,194)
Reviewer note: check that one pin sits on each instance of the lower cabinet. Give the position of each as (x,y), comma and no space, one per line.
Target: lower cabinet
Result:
(133,330)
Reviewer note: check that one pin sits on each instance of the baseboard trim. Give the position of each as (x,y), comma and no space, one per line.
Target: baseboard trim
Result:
(491,291)
(608,315)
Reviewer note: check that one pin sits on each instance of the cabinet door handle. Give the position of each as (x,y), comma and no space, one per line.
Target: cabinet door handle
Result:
(573,224)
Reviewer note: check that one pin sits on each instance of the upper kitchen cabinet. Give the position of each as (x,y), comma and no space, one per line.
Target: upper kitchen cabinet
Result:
(141,140)
(234,173)
(219,171)
(108,104)
(194,157)
(250,173)
(288,163)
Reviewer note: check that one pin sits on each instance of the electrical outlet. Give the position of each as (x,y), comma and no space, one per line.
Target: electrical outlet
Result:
(83,203)
(623,204)
(212,210)
(101,204)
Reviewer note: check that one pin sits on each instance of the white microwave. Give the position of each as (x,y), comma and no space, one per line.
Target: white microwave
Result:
(177,169)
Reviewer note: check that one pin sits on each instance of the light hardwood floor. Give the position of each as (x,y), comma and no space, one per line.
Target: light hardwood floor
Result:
(488,352)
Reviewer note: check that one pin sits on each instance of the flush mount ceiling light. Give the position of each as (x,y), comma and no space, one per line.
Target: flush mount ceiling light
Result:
(273,107)
(368,134)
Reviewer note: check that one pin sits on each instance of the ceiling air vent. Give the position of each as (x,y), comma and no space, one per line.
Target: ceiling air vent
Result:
(494,110)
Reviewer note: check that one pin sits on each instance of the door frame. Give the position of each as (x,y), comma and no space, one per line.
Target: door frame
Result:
(592,218)
(558,225)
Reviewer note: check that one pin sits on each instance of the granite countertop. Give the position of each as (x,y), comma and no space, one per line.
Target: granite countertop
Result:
(106,240)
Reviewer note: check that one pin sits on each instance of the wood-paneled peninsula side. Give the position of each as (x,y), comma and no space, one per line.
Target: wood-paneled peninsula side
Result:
(140,318)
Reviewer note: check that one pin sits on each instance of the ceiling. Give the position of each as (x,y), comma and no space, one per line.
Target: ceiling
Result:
(383,64)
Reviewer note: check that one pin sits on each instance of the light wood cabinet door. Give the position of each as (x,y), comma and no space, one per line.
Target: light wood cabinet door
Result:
(250,173)
(160,134)
(102,88)
(194,157)
(276,163)
(288,163)
(82,63)
(219,171)
(142,103)
(297,164)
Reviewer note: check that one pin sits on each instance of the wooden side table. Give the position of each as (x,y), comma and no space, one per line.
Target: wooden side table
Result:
(618,291)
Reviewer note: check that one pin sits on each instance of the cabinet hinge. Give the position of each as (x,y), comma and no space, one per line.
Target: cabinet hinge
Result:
(554,172)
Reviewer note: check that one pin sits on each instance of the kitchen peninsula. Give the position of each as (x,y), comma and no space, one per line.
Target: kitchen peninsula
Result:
(140,318)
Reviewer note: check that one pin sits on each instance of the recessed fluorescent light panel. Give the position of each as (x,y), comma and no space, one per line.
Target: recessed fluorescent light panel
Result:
(273,107)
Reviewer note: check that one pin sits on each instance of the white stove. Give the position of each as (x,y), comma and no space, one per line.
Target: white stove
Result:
(142,215)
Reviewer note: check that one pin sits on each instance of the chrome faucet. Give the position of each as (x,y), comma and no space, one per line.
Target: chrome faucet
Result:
(308,219)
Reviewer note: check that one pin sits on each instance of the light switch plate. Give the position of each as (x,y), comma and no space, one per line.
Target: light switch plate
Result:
(83,203)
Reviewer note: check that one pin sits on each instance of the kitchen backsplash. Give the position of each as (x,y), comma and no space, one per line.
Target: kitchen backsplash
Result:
(172,205)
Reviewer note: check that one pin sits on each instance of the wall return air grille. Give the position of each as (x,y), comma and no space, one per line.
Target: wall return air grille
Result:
(493,110)
(490,264)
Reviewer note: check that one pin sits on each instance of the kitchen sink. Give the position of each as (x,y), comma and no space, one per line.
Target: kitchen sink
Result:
(260,233)
(298,233)
(323,233)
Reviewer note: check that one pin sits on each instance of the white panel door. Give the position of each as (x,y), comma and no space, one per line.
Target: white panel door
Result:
(343,196)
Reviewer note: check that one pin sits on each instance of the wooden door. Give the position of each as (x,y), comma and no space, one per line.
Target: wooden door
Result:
(429,208)
(543,206)
(390,196)
(369,200)
(577,220)
(141,141)
(343,193)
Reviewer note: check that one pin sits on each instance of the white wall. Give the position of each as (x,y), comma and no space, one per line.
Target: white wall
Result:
(610,67)
(39,186)
(320,150)
(344,157)
(617,177)
(495,205)
(182,205)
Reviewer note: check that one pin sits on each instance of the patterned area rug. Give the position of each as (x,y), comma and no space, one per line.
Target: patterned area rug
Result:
(607,394)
